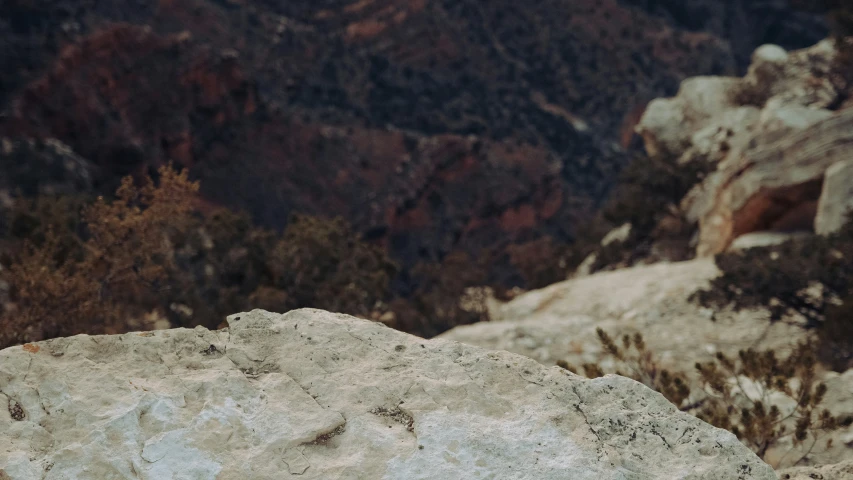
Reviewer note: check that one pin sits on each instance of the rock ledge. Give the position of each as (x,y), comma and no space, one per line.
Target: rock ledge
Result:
(316,395)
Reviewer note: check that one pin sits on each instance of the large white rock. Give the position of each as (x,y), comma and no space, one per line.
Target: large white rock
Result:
(315,395)
(668,123)
(836,198)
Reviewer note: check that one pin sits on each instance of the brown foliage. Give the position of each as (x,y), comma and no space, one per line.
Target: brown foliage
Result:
(737,394)
(449,293)
(642,366)
(229,265)
(756,421)
(125,254)
(542,262)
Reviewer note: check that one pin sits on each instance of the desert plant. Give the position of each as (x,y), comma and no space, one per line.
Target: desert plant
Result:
(647,187)
(741,395)
(835,337)
(840,16)
(323,263)
(741,399)
(646,196)
(125,255)
(803,279)
(61,216)
(641,365)
(229,265)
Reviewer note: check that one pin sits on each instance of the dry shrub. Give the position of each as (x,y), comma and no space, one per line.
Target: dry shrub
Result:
(741,395)
(125,255)
(323,263)
(641,365)
(808,281)
(756,418)
(448,294)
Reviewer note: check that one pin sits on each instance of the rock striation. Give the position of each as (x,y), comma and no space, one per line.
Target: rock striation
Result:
(773,136)
(315,395)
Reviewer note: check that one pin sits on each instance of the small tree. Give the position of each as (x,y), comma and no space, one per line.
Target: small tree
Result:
(323,263)
(125,254)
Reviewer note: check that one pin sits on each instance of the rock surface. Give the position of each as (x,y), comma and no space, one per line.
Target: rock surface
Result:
(771,136)
(764,239)
(317,395)
(559,323)
(838,471)
(836,198)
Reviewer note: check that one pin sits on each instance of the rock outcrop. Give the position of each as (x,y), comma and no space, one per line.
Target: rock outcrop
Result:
(772,136)
(317,395)
(559,323)
(838,471)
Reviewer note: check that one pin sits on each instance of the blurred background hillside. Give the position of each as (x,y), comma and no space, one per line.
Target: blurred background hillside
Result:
(462,143)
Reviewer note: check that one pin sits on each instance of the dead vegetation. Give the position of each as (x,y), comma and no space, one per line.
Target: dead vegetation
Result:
(765,400)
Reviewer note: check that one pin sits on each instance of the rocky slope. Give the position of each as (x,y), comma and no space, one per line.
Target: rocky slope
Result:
(432,125)
(316,395)
(559,323)
(777,141)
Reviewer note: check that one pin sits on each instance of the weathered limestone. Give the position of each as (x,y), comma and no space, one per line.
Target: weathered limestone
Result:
(773,185)
(699,101)
(771,136)
(836,198)
(838,471)
(558,322)
(315,395)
